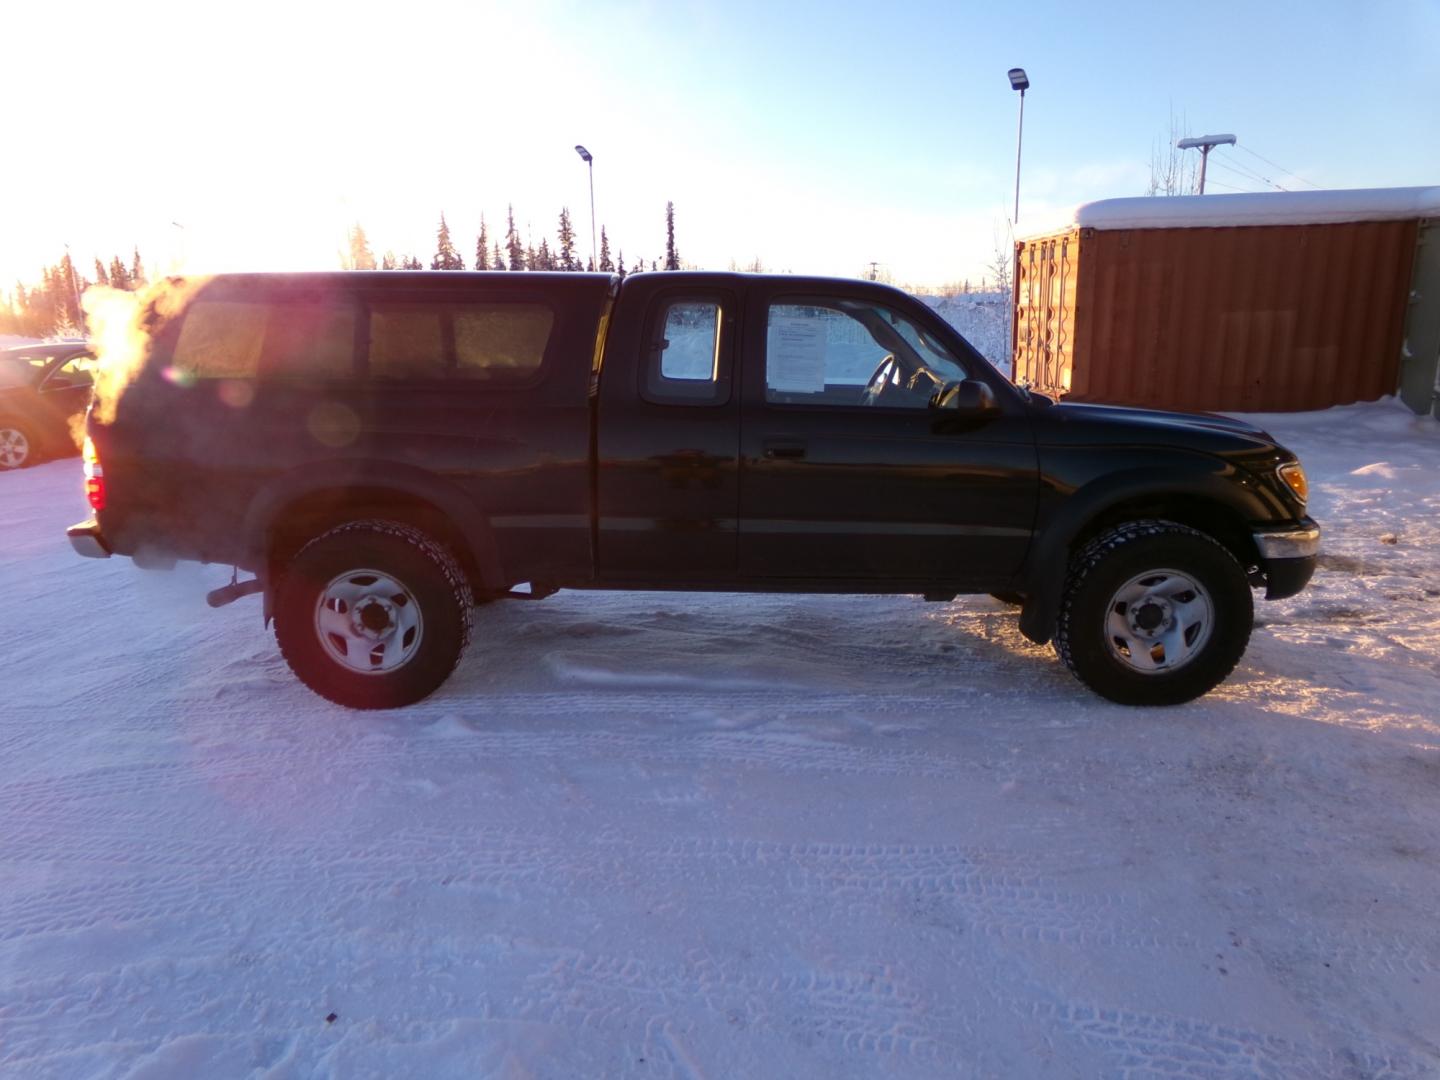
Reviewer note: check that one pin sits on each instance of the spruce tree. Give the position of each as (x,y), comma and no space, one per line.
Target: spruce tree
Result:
(101,276)
(137,271)
(119,276)
(68,283)
(672,257)
(567,242)
(482,247)
(513,247)
(606,265)
(620,264)
(446,257)
(361,257)
(387,261)
(496,262)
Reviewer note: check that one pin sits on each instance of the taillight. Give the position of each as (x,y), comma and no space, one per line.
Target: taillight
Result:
(94,475)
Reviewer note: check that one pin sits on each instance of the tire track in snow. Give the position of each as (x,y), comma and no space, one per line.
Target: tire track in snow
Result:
(1154,1045)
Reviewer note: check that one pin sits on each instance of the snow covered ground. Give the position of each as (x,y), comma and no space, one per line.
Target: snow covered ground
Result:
(653,835)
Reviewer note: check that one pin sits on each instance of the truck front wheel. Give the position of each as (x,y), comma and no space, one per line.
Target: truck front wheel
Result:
(373,614)
(1154,613)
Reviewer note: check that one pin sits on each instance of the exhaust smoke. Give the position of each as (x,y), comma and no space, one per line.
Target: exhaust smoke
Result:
(123,326)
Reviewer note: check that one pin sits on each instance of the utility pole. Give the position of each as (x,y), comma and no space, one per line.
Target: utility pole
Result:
(874,271)
(1019,81)
(1205,144)
(589,160)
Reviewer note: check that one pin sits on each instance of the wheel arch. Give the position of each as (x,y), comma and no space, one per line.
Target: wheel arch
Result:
(312,500)
(1209,502)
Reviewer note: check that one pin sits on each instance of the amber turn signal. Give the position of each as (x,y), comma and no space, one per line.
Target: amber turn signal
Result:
(1294,477)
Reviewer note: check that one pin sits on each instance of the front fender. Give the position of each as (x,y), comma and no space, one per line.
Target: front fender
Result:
(1167,476)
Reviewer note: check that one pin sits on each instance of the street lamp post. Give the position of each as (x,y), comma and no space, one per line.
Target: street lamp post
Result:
(1205,144)
(589,160)
(1019,81)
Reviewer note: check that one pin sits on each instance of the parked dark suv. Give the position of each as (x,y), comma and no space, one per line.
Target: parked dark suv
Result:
(44,390)
(382,450)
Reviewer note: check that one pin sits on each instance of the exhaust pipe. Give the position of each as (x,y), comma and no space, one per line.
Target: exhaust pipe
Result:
(228,594)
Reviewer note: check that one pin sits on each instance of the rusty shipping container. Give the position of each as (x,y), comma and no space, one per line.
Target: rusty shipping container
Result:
(1260,303)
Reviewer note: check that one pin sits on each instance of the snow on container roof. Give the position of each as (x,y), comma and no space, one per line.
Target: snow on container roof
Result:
(1261,208)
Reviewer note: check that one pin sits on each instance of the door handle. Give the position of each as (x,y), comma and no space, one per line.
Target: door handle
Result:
(784,449)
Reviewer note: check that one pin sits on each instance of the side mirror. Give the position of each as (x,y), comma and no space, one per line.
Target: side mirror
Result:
(971,396)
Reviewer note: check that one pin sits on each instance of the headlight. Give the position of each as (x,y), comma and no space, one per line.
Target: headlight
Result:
(1294,477)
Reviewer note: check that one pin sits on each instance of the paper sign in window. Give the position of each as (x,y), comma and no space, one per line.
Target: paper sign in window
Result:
(796,361)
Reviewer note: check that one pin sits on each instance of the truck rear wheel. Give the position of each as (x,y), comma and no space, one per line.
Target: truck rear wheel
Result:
(1154,613)
(373,614)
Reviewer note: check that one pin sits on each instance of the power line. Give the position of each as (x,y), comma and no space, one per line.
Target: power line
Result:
(1245,173)
(1254,174)
(1282,168)
(1227,187)
(1253,179)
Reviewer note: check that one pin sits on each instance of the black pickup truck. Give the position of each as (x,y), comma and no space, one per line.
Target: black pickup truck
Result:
(386,451)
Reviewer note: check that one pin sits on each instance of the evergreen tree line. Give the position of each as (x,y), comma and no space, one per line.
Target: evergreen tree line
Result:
(53,306)
(511,252)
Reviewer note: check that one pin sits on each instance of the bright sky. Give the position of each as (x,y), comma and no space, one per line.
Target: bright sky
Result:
(815,136)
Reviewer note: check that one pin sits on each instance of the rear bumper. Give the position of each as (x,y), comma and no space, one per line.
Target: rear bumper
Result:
(1288,558)
(87,540)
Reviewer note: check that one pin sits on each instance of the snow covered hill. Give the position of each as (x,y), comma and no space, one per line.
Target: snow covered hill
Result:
(671,835)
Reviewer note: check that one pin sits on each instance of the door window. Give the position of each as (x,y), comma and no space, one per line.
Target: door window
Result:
(77,371)
(852,353)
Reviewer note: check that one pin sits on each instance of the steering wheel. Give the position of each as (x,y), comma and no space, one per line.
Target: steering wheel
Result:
(880,378)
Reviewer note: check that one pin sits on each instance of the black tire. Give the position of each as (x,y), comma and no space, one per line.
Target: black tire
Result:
(1109,567)
(430,579)
(18,447)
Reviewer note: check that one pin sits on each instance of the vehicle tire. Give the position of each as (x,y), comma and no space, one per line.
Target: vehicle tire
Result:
(373,614)
(1014,599)
(18,447)
(1153,613)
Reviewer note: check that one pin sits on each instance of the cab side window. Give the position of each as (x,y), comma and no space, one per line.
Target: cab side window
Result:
(684,363)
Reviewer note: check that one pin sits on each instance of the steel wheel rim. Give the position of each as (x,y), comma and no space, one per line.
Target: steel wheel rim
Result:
(368,622)
(1158,621)
(14,448)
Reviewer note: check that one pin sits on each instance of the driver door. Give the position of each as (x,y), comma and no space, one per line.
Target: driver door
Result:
(848,474)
